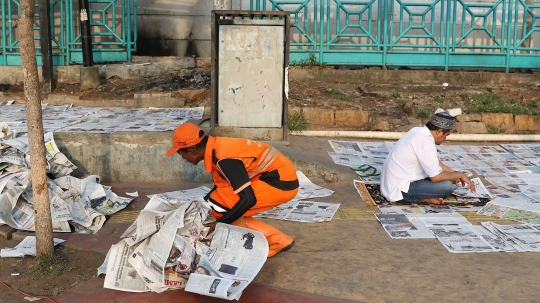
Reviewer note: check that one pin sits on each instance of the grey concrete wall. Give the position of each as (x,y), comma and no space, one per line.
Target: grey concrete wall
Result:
(128,157)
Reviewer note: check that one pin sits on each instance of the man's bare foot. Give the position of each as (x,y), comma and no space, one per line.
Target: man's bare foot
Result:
(433,200)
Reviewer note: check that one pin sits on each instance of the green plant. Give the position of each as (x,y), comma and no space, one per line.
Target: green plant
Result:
(438,99)
(303,63)
(493,103)
(494,130)
(48,264)
(294,63)
(423,113)
(395,95)
(323,65)
(57,291)
(312,59)
(297,121)
(337,94)
(534,103)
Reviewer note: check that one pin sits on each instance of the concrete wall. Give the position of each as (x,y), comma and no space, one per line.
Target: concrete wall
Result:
(128,157)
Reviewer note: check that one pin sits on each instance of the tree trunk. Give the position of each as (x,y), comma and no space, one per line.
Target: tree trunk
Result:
(42,208)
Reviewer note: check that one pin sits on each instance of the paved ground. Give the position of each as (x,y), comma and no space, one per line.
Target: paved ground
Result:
(350,259)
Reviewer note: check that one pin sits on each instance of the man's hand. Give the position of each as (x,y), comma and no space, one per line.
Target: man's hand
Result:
(212,226)
(466,182)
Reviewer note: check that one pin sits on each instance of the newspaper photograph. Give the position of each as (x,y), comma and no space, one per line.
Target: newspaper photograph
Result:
(235,257)
(461,239)
(398,226)
(305,211)
(345,159)
(345,147)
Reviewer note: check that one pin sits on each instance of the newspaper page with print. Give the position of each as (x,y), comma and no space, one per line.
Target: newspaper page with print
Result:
(120,274)
(235,257)
(461,239)
(495,241)
(481,191)
(398,226)
(524,235)
(27,247)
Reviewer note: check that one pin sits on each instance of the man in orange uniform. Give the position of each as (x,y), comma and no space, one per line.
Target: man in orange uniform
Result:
(249,177)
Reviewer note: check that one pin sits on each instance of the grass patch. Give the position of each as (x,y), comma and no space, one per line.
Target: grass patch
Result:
(423,113)
(48,264)
(337,94)
(494,129)
(493,103)
(395,95)
(438,99)
(297,121)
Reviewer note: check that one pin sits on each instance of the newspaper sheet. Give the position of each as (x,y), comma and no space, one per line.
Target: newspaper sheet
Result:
(531,179)
(461,239)
(398,226)
(120,274)
(414,209)
(532,192)
(307,211)
(524,235)
(346,147)
(235,257)
(481,191)
(495,241)
(310,190)
(493,229)
(150,220)
(518,208)
(504,179)
(302,211)
(440,219)
(165,259)
(345,159)
(27,247)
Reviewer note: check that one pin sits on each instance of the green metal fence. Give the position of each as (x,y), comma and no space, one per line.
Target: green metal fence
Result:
(440,33)
(113,23)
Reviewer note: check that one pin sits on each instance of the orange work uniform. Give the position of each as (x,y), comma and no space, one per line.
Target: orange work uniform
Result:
(270,177)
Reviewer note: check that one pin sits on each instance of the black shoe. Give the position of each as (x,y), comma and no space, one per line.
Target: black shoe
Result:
(286,248)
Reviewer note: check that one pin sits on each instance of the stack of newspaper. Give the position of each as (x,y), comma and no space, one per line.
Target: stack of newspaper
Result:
(81,204)
(167,247)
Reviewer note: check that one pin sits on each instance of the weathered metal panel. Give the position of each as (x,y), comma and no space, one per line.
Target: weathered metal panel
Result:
(250,86)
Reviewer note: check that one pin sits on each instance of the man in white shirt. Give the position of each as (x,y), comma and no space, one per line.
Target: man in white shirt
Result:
(413,173)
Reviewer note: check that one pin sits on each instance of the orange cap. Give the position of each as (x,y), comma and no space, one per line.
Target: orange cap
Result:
(185,135)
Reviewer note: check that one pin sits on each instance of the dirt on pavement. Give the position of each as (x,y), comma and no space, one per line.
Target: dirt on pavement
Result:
(77,266)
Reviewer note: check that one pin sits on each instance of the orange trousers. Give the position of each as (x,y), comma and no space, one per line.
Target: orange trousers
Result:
(267,197)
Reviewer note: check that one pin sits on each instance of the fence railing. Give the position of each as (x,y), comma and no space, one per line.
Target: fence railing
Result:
(113,25)
(416,33)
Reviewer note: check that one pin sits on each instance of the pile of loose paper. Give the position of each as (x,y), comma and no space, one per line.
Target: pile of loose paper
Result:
(167,247)
(76,204)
